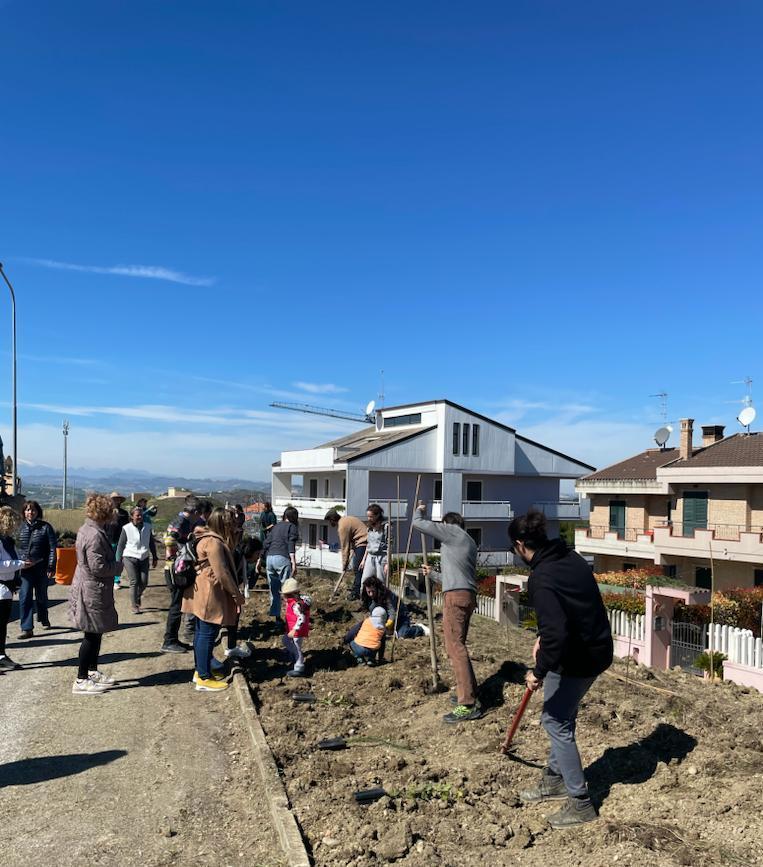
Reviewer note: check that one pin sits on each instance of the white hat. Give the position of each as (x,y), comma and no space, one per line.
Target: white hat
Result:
(379,617)
(290,586)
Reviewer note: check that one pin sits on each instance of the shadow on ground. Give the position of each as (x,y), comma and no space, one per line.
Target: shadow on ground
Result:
(637,762)
(26,772)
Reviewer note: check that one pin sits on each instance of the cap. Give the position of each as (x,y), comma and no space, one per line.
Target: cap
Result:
(290,586)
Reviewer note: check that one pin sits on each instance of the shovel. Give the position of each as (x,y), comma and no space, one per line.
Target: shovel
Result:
(512,730)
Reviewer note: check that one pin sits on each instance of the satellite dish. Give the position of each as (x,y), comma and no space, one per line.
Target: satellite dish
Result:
(747,416)
(662,435)
(370,407)
(379,421)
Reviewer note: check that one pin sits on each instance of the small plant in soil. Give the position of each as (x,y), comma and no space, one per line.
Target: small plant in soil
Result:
(336,700)
(429,791)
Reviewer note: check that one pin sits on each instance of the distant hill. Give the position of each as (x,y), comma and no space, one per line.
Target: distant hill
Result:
(134,480)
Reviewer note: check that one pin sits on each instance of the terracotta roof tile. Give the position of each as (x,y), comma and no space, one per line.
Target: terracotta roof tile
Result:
(642,466)
(738,450)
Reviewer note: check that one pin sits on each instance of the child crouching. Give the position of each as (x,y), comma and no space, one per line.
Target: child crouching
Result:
(297,625)
(365,641)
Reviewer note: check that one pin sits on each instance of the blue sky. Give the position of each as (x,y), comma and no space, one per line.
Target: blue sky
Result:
(546,211)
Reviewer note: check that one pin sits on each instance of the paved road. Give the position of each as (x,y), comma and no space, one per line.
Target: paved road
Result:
(150,773)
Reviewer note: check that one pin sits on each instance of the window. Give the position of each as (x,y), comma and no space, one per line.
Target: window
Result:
(670,570)
(757,577)
(695,512)
(344,488)
(456,437)
(437,495)
(325,533)
(617,518)
(312,535)
(474,492)
(670,513)
(466,439)
(313,489)
(326,492)
(399,420)
(702,577)
(476,534)
(475,439)
(628,566)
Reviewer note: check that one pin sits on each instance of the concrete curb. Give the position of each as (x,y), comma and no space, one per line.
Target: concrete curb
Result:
(284,822)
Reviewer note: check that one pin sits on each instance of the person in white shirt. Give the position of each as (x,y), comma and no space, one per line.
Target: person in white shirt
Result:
(136,543)
(9,580)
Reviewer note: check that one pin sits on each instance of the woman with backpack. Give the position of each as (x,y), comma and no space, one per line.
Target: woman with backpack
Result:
(279,550)
(213,597)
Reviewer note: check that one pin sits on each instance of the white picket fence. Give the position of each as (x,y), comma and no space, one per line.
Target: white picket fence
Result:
(738,645)
(485,605)
(627,625)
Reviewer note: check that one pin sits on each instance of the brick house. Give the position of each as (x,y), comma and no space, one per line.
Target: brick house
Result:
(681,507)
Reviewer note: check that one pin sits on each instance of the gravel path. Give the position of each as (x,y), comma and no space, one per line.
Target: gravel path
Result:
(150,773)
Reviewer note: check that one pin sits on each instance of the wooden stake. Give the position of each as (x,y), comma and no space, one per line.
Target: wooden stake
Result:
(430,617)
(402,572)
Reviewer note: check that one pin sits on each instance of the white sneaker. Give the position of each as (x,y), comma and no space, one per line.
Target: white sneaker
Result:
(87,687)
(243,651)
(425,628)
(103,680)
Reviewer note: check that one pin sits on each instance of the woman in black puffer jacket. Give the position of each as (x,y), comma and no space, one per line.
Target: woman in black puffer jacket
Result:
(37,543)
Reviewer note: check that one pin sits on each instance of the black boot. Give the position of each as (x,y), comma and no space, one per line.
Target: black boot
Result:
(550,788)
(577,811)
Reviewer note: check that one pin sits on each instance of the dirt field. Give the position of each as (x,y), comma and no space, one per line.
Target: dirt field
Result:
(679,776)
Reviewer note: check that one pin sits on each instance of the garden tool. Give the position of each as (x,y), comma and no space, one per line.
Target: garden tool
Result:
(337,586)
(512,730)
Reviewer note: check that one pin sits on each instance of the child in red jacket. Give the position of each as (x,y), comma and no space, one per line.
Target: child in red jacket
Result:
(297,625)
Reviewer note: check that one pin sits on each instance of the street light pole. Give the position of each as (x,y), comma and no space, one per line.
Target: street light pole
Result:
(66,439)
(15,406)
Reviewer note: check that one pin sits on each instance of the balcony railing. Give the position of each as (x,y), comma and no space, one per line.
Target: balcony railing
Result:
(474,510)
(626,534)
(316,507)
(721,532)
(562,510)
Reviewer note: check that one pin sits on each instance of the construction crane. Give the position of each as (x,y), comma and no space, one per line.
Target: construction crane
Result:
(364,418)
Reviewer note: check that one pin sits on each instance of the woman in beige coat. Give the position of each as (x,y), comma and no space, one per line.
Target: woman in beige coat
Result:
(91,599)
(214,598)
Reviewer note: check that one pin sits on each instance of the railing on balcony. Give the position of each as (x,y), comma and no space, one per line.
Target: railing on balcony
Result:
(475,509)
(318,506)
(721,532)
(561,510)
(627,534)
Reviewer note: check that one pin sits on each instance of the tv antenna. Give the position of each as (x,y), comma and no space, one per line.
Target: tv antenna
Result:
(381,392)
(368,417)
(662,434)
(663,396)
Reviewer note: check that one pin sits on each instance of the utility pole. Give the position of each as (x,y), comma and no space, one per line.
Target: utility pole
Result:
(15,473)
(66,465)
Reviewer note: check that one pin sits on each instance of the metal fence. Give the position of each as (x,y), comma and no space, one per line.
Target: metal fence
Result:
(688,641)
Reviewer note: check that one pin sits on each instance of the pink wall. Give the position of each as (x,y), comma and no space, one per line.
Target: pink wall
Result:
(743,675)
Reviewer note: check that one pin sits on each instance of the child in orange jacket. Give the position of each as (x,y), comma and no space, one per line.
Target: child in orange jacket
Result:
(366,641)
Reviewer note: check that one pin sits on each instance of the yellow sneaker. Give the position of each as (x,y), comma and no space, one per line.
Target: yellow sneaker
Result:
(216,675)
(211,685)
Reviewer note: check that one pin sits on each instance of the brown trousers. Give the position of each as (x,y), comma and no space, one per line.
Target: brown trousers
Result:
(456,614)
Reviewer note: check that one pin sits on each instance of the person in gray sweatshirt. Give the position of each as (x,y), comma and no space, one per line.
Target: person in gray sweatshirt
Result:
(458,576)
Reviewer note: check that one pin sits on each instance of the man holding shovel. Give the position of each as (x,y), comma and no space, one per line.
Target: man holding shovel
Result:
(574,646)
(458,561)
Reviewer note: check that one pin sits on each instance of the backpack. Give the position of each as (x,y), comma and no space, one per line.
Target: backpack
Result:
(184,567)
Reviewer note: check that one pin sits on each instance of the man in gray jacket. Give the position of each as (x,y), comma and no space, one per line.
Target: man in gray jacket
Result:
(458,562)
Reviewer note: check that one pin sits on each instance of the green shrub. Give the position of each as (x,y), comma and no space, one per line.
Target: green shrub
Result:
(704,660)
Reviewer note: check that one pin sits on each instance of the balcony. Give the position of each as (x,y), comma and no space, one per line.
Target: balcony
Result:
(719,541)
(474,510)
(628,541)
(564,510)
(316,507)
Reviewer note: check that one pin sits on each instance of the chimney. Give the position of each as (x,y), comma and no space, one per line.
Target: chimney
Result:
(685,450)
(712,433)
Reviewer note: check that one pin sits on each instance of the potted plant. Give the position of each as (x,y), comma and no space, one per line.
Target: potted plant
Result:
(66,557)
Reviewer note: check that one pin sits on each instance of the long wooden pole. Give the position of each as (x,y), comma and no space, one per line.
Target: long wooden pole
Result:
(430,616)
(402,572)
(337,586)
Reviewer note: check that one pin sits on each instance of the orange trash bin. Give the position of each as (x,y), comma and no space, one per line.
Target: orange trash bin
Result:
(66,563)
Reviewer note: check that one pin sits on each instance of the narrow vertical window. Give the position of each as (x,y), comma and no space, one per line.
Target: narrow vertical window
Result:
(475,439)
(456,437)
(466,439)
(326,488)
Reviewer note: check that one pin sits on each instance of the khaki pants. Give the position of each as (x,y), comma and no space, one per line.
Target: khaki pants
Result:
(456,614)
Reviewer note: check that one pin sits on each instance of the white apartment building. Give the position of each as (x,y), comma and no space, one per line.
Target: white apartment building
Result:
(468,463)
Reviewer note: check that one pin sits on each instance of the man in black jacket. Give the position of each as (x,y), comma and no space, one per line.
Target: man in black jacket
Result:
(574,646)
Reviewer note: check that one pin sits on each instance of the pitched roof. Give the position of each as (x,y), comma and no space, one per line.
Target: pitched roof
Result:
(738,450)
(555,452)
(641,467)
(369,440)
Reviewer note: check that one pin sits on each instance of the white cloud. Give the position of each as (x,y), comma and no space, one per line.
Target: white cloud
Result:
(58,359)
(151,272)
(319,388)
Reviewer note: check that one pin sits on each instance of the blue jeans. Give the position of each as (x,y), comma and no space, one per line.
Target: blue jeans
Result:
(561,698)
(360,652)
(203,644)
(279,569)
(34,582)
